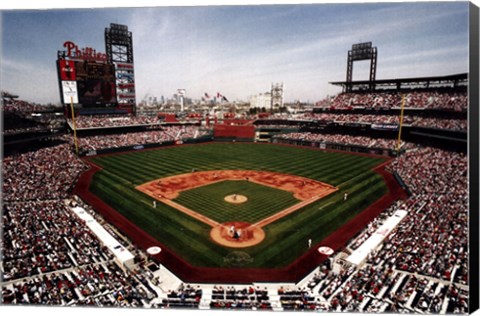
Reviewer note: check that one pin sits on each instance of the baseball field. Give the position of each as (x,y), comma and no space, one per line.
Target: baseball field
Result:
(190,197)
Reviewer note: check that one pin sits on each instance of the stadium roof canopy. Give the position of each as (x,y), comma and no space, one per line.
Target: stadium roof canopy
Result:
(450,81)
(7,95)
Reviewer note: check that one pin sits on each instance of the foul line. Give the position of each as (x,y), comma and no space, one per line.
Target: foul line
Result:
(189,212)
(291,209)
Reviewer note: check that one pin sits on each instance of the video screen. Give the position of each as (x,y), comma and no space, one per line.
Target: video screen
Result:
(96,84)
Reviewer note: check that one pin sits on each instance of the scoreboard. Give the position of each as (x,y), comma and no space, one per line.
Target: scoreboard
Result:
(94,80)
(95,84)
(90,83)
(94,70)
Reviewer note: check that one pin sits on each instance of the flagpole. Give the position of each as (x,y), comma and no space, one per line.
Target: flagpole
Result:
(74,126)
(401,123)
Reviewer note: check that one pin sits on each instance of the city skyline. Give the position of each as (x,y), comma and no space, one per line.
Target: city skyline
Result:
(241,50)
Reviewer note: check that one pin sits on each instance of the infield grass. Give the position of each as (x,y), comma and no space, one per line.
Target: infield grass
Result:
(285,239)
(262,201)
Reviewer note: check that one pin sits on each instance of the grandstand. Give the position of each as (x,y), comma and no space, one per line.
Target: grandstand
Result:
(67,241)
(420,278)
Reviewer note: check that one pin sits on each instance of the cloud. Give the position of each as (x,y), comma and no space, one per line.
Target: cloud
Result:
(242,50)
(31,81)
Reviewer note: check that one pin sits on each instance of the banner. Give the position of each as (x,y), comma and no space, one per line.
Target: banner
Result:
(125,83)
(70,93)
(67,70)
(385,127)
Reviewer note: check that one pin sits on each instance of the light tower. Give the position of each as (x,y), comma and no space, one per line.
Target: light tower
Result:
(362,51)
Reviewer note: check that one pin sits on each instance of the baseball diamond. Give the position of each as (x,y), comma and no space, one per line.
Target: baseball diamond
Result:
(127,182)
(307,191)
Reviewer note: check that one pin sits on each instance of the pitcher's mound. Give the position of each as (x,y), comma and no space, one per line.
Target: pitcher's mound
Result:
(237,234)
(236,198)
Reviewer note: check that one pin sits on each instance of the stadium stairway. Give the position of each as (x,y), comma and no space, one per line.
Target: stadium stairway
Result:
(307,279)
(206,298)
(445,305)
(167,280)
(274,298)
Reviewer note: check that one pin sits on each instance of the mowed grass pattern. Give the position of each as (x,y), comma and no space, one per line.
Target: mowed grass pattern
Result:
(285,239)
(262,201)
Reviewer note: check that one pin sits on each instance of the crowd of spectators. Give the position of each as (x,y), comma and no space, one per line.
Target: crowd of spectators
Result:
(433,240)
(45,236)
(49,256)
(377,289)
(450,124)
(343,139)
(170,133)
(185,296)
(23,130)
(437,99)
(371,289)
(14,105)
(100,285)
(327,117)
(296,298)
(440,123)
(52,258)
(47,173)
(89,121)
(22,117)
(246,298)
(362,118)
(422,265)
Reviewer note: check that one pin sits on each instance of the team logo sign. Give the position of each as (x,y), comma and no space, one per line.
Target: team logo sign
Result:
(238,258)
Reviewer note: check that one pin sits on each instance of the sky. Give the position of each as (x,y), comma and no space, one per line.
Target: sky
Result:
(240,50)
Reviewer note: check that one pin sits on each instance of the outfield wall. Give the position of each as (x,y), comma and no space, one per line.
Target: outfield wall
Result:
(343,147)
(234,131)
(144,146)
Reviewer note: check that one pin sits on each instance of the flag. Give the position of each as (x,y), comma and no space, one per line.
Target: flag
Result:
(221,97)
(207,96)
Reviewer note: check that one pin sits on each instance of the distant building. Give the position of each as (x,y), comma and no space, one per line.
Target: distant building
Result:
(276,96)
(261,100)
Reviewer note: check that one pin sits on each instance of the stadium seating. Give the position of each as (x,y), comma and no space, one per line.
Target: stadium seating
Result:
(364,141)
(51,258)
(439,99)
(168,133)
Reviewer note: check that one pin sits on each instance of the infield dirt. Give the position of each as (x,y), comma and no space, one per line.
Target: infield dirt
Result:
(304,189)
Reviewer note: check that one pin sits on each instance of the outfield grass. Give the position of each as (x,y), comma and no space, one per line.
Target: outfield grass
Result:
(285,239)
(262,201)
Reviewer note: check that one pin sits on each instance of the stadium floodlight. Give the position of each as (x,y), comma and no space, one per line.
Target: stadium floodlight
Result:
(362,51)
